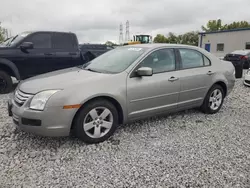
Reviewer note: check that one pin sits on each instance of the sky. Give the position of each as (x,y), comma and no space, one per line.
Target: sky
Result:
(97,21)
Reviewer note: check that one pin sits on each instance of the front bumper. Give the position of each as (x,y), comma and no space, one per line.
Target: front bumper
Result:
(53,121)
(247,80)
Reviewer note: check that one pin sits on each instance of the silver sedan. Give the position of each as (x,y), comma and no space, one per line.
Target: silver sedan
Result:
(120,86)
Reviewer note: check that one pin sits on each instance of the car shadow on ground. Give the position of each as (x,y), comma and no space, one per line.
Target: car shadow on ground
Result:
(39,142)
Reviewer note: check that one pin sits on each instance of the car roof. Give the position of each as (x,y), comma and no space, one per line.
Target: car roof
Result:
(46,31)
(241,52)
(158,45)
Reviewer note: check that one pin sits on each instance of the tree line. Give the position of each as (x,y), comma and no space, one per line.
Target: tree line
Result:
(2,33)
(191,38)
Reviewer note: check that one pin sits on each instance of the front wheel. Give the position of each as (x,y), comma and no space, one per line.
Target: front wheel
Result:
(96,121)
(213,100)
(5,83)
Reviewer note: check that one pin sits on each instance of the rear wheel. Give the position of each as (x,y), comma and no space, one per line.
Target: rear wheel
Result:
(213,100)
(96,122)
(5,83)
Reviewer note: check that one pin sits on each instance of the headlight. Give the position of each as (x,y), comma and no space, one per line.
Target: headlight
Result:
(39,101)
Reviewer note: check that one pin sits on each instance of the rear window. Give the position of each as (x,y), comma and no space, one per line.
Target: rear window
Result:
(64,41)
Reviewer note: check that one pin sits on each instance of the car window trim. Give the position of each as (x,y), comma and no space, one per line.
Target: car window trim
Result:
(35,33)
(177,63)
(203,55)
(72,37)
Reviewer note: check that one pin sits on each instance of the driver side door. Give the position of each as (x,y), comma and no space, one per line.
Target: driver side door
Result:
(152,95)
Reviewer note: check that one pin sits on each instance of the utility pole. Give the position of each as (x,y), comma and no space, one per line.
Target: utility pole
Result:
(121,34)
(127,35)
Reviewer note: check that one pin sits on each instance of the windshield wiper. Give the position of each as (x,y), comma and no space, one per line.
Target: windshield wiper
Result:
(89,69)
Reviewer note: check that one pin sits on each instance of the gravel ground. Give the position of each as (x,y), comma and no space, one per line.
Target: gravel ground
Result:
(187,149)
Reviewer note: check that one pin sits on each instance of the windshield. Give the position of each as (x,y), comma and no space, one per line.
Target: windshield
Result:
(17,38)
(6,42)
(116,60)
(142,38)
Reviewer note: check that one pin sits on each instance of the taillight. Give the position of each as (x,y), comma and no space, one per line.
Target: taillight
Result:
(243,57)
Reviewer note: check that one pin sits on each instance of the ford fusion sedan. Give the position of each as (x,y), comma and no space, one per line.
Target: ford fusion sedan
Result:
(123,85)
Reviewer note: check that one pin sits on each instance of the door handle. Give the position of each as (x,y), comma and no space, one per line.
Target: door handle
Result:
(171,79)
(48,54)
(210,73)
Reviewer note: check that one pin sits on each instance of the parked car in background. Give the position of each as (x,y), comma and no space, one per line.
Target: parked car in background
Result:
(247,78)
(124,84)
(32,53)
(240,60)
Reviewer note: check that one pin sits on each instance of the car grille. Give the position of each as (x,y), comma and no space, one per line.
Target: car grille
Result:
(20,97)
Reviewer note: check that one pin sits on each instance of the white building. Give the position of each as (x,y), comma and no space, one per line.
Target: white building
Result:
(220,43)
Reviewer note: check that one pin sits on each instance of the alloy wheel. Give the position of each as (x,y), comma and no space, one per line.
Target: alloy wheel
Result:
(215,99)
(98,122)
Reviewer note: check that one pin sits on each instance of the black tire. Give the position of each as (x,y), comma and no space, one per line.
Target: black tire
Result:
(205,108)
(6,83)
(78,129)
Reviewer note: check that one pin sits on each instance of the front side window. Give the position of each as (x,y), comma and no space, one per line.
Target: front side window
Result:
(116,60)
(162,60)
(191,58)
(40,40)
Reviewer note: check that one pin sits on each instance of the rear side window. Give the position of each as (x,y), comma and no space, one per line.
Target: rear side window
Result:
(64,41)
(193,59)
(40,40)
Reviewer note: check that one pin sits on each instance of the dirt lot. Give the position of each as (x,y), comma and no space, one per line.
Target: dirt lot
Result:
(188,149)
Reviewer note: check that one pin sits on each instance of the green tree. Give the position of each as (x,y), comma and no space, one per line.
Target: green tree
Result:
(216,25)
(172,38)
(190,38)
(213,25)
(236,25)
(160,39)
(109,43)
(2,33)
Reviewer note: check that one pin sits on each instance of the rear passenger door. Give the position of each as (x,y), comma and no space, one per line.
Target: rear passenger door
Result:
(65,46)
(196,77)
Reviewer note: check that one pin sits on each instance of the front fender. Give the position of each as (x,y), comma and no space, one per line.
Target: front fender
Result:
(12,66)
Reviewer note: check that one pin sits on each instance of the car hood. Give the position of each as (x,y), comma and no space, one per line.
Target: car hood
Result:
(61,79)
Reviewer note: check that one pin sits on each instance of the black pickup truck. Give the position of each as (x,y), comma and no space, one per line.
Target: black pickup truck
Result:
(32,53)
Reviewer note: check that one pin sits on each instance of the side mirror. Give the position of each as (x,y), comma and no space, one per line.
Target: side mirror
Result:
(145,71)
(27,45)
